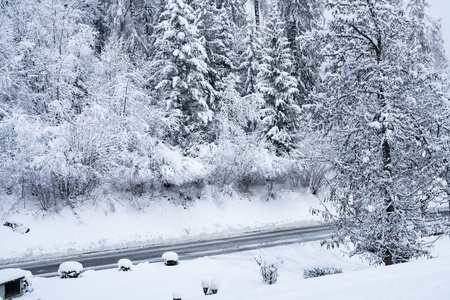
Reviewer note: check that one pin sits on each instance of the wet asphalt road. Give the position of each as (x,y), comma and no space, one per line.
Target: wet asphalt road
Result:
(188,250)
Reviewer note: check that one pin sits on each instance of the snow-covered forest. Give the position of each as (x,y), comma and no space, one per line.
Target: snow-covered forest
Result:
(170,97)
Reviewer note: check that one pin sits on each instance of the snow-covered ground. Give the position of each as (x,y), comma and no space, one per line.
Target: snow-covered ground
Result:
(239,278)
(114,223)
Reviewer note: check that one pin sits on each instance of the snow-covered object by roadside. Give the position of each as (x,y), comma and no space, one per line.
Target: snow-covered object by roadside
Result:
(177,296)
(269,268)
(12,274)
(170,258)
(70,269)
(124,264)
(17,227)
(215,284)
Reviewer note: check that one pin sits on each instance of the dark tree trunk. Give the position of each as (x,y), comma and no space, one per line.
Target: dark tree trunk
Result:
(257,18)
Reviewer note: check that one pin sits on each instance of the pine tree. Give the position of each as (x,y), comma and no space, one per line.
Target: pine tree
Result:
(251,59)
(131,21)
(216,30)
(279,114)
(384,113)
(303,18)
(180,72)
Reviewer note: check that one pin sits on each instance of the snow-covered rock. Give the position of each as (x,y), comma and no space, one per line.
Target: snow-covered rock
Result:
(70,269)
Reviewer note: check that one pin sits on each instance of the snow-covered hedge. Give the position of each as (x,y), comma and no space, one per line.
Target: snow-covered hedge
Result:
(70,269)
(170,258)
(124,264)
(316,272)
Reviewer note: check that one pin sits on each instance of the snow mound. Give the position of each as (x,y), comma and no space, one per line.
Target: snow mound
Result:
(170,258)
(124,264)
(70,269)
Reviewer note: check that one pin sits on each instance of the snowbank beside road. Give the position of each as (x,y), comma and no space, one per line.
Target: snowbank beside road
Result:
(112,225)
(239,278)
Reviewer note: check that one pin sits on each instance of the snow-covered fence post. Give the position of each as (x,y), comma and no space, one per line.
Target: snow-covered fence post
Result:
(205,286)
(214,286)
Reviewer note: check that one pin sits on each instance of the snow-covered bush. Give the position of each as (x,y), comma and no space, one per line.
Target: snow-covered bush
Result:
(170,258)
(70,269)
(269,269)
(124,264)
(316,272)
(313,177)
(243,162)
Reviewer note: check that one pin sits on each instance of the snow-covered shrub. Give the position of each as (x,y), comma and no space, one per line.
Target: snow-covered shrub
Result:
(316,272)
(170,258)
(269,269)
(175,169)
(70,269)
(124,264)
(56,162)
(243,162)
(313,177)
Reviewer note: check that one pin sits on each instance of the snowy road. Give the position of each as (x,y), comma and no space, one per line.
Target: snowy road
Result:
(188,250)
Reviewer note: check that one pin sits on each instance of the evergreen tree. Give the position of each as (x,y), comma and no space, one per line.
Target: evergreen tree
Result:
(180,72)
(384,113)
(251,59)
(131,21)
(279,114)
(216,30)
(303,18)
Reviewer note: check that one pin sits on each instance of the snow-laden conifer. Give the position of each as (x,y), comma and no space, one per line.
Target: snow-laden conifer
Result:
(279,114)
(179,71)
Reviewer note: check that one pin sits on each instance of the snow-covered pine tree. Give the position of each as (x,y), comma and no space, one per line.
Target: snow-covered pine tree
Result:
(251,59)
(384,111)
(279,114)
(237,8)
(131,21)
(303,18)
(216,29)
(180,72)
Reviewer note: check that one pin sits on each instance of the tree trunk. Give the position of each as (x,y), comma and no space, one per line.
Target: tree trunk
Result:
(257,18)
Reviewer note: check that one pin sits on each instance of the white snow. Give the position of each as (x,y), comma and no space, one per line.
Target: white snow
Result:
(13,274)
(70,266)
(124,263)
(170,256)
(240,279)
(113,224)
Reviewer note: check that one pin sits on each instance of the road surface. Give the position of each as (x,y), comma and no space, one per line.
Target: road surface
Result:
(188,250)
